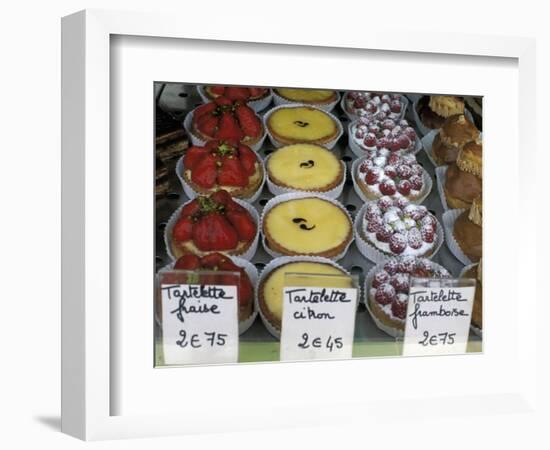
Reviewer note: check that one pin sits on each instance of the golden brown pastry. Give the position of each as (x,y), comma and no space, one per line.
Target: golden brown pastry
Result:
(470,158)
(461,187)
(468,236)
(455,132)
(446,105)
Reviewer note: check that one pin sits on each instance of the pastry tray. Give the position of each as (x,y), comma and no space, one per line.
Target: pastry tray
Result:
(256,343)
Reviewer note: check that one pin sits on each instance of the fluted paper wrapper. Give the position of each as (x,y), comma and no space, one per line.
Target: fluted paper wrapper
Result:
(328,145)
(449,219)
(191,193)
(275,189)
(248,254)
(252,273)
(257,105)
(427,142)
(426,189)
(476,330)
(440,177)
(277,262)
(360,152)
(293,196)
(352,116)
(281,101)
(195,140)
(370,252)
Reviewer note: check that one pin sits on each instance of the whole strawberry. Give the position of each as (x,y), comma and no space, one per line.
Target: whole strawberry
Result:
(249,122)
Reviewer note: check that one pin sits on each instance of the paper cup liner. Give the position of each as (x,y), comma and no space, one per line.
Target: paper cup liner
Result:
(353,116)
(427,142)
(424,130)
(327,107)
(195,140)
(328,145)
(440,177)
(277,262)
(394,332)
(375,255)
(360,151)
(476,330)
(257,105)
(191,193)
(252,273)
(449,219)
(248,254)
(293,196)
(275,189)
(426,189)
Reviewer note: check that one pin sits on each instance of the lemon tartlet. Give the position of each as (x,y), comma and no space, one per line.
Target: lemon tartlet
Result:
(305,167)
(271,288)
(307,226)
(308,96)
(295,124)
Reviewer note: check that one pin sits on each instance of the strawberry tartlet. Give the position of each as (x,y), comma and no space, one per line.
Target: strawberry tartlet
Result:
(235,93)
(224,165)
(397,227)
(215,223)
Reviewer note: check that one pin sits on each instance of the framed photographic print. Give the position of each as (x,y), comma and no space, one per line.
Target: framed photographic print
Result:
(239,241)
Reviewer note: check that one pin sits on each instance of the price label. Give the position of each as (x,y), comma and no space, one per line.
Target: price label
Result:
(439,313)
(318,323)
(199,323)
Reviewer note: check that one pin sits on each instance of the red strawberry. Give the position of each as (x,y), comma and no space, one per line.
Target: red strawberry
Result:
(202,110)
(183,229)
(213,232)
(237,93)
(212,261)
(207,124)
(217,90)
(228,128)
(256,91)
(223,197)
(223,101)
(188,262)
(248,120)
(232,173)
(190,208)
(246,291)
(192,155)
(243,223)
(248,159)
(227,264)
(205,171)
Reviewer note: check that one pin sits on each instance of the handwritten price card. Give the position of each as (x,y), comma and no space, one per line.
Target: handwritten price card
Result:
(199,322)
(318,322)
(439,313)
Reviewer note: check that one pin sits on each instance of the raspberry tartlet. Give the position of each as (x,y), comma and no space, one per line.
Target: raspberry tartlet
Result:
(387,289)
(397,227)
(383,173)
(224,165)
(215,223)
(224,119)
(374,104)
(396,136)
(219,262)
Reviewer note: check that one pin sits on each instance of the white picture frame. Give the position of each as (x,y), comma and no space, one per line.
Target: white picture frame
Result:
(89,326)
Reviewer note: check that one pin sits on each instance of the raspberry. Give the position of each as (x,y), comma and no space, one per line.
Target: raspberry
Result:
(359,134)
(369,141)
(427,233)
(387,187)
(396,106)
(365,166)
(404,141)
(392,266)
(407,264)
(414,238)
(383,143)
(416,182)
(400,282)
(374,128)
(380,278)
(385,294)
(385,98)
(374,224)
(373,176)
(393,159)
(394,145)
(398,243)
(416,169)
(359,103)
(384,203)
(410,133)
(416,212)
(429,221)
(399,308)
(390,171)
(400,202)
(371,108)
(388,124)
(373,211)
(404,171)
(384,233)
(404,187)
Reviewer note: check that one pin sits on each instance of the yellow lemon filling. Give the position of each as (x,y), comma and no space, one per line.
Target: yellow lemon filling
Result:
(306,95)
(304,166)
(302,124)
(275,283)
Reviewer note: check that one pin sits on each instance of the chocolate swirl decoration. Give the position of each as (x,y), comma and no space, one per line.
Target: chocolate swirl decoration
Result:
(307,164)
(301,124)
(302,222)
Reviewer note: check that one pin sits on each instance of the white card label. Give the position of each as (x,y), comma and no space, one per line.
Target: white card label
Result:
(438,319)
(199,324)
(318,323)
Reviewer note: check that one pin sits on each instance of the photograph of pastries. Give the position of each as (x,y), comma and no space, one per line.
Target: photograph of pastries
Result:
(333,186)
